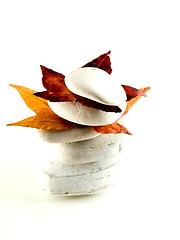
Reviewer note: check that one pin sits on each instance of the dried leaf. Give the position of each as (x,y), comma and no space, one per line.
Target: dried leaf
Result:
(46,119)
(52,80)
(56,88)
(103,62)
(112,128)
(33,102)
(131,102)
(132,92)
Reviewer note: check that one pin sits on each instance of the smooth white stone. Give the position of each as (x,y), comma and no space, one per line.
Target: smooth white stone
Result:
(90,183)
(68,135)
(96,84)
(78,113)
(101,140)
(85,151)
(84,164)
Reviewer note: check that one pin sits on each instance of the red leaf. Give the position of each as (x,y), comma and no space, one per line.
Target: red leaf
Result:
(132,92)
(103,62)
(112,128)
(55,85)
(52,80)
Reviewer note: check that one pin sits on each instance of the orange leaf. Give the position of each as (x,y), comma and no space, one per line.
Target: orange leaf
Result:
(46,119)
(33,102)
(131,102)
(103,62)
(112,128)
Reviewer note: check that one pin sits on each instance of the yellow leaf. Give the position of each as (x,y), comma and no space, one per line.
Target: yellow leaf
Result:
(33,102)
(45,120)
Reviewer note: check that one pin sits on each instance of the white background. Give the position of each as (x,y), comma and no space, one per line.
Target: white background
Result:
(144,37)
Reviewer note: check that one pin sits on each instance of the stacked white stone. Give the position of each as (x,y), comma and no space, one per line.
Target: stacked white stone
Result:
(85,161)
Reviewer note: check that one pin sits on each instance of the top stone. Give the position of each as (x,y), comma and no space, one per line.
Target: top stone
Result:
(96,84)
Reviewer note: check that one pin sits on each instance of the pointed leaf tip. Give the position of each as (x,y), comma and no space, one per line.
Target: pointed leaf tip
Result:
(132,101)
(33,102)
(132,92)
(103,62)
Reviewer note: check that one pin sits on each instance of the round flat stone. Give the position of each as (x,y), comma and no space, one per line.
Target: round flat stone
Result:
(68,135)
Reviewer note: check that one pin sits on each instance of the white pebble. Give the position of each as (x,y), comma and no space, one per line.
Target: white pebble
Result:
(97,85)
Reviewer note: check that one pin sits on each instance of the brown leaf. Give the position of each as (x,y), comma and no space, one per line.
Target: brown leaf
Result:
(131,102)
(132,92)
(33,102)
(112,128)
(46,119)
(103,62)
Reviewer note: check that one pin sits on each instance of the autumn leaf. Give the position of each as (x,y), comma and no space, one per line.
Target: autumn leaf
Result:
(56,88)
(132,92)
(46,119)
(111,128)
(34,103)
(131,102)
(103,62)
(52,80)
